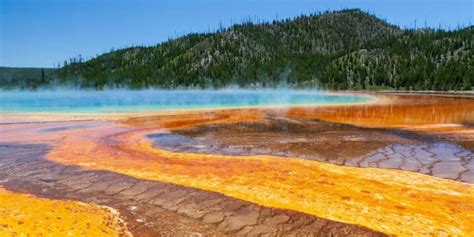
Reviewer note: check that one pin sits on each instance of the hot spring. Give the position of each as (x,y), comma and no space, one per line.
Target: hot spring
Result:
(123,101)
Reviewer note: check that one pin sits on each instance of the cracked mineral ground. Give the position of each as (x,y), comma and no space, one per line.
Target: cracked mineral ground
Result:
(399,166)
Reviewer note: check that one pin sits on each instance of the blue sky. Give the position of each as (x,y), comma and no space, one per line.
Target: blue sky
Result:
(41,33)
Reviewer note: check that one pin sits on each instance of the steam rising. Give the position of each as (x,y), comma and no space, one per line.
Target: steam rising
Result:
(116,101)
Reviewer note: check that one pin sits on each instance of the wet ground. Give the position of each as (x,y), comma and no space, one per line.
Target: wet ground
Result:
(153,208)
(330,142)
(260,171)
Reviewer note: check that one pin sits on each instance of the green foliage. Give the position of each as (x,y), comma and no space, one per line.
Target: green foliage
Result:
(418,60)
(26,78)
(349,49)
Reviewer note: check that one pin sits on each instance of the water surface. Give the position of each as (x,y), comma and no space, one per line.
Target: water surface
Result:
(120,101)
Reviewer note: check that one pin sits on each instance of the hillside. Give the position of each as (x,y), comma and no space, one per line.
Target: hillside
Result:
(26,78)
(348,49)
(417,60)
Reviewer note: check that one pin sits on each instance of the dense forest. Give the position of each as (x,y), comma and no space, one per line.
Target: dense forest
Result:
(27,78)
(345,50)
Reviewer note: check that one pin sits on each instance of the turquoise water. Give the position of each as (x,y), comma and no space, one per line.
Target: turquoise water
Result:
(122,101)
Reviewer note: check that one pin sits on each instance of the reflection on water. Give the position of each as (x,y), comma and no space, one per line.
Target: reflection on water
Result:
(402,110)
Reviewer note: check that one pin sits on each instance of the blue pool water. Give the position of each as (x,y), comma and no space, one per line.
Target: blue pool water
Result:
(120,101)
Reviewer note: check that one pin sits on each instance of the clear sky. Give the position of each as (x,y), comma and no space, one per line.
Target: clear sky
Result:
(42,33)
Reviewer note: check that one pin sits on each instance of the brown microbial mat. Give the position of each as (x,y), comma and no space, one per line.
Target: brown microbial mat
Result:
(402,165)
(330,142)
(149,208)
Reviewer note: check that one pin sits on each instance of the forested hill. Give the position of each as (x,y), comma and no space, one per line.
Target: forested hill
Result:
(26,78)
(348,49)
